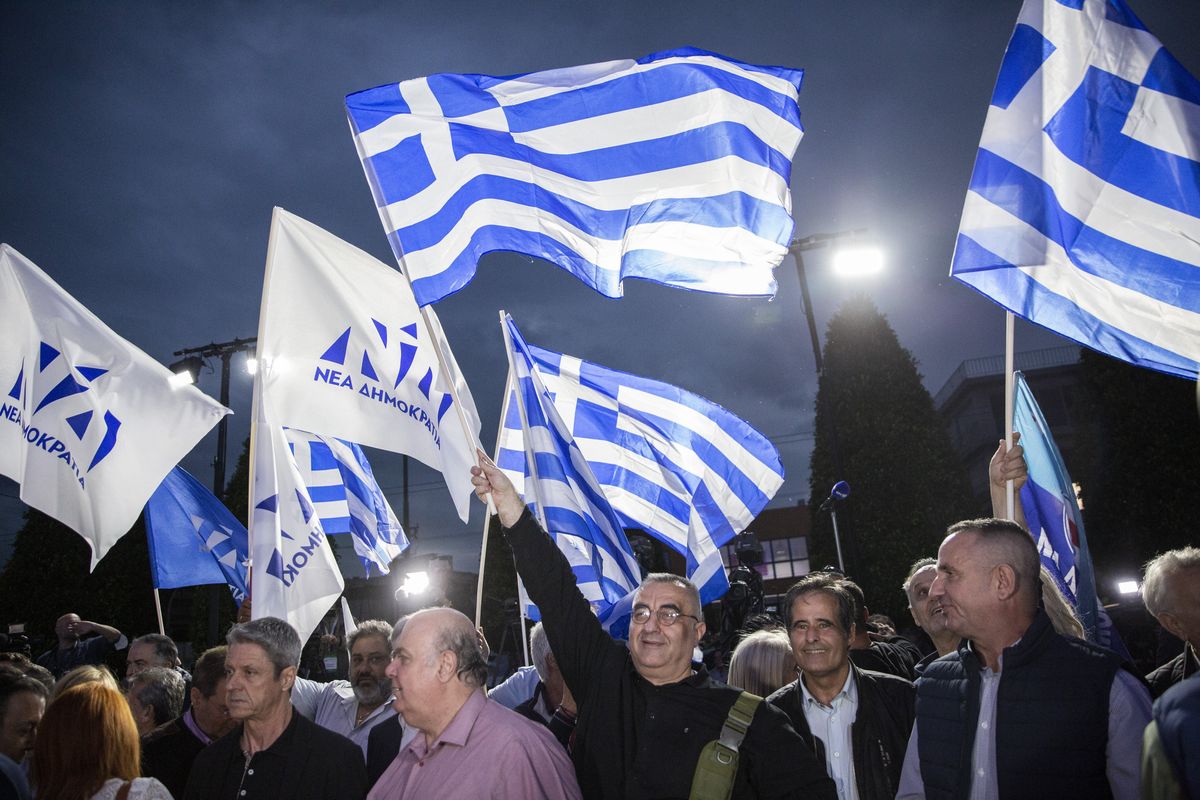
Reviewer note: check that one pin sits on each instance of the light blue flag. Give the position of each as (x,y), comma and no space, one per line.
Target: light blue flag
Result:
(673,168)
(1054,519)
(1083,213)
(194,539)
(347,498)
(671,463)
(560,488)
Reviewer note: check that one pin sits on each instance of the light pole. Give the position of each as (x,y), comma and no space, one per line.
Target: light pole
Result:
(187,369)
(859,258)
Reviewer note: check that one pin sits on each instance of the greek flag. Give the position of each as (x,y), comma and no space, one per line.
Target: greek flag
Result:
(1054,519)
(194,539)
(347,497)
(559,486)
(677,466)
(1083,213)
(673,168)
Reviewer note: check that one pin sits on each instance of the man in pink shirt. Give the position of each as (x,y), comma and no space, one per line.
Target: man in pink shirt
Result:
(469,746)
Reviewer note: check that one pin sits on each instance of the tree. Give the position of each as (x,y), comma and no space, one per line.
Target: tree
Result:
(907,482)
(1137,464)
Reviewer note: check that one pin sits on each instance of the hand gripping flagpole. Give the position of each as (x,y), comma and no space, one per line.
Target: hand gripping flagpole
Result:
(1009,325)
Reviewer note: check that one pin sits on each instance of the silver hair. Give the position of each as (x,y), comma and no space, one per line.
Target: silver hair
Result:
(919,565)
(539,649)
(463,642)
(370,627)
(276,637)
(1159,569)
(161,689)
(164,648)
(688,587)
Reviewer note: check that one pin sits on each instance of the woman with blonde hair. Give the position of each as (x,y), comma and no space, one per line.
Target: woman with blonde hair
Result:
(762,662)
(88,673)
(87,749)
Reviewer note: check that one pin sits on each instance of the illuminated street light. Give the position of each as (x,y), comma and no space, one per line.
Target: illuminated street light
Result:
(251,365)
(857,260)
(1127,587)
(186,371)
(415,583)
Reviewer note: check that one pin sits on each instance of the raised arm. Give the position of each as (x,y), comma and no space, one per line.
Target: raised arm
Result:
(1008,465)
(579,643)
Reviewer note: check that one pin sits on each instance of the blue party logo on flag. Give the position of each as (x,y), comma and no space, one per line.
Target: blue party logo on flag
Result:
(72,381)
(371,377)
(288,569)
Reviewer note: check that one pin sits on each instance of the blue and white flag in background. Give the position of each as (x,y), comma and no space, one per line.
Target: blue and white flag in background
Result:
(673,168)
(677,466)
(347,497)
(345,352)
(89,424)
(560,488)
(1083,213)
(194,539)
(1054,519)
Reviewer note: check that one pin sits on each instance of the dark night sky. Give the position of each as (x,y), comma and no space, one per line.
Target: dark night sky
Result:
(143,145)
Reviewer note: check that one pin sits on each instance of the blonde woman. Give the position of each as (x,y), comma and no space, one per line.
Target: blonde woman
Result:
(762,662)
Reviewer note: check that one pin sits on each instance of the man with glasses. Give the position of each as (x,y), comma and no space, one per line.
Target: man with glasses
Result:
(645,712)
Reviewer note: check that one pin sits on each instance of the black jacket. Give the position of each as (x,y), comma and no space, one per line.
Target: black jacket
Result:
(1177,669)
(383,745)
(317,764)
(634,739)
(878,736)
(167,754)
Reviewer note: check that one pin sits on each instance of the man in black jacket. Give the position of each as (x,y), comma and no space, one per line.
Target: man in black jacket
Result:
(645,712)
(274,752)
(856,721)
(1171,591)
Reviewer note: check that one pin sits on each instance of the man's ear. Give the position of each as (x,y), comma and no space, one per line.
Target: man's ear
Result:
(447,666)
(196,695)
(288,676)
(1171,623)
(1004,580)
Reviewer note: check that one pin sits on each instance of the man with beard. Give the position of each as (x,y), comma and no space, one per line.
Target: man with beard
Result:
(353,708)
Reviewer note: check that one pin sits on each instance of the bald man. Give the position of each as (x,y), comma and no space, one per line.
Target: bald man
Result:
(1017,710)
(77,645)
(468,746)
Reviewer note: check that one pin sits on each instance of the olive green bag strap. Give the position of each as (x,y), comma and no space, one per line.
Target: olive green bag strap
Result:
(718,763)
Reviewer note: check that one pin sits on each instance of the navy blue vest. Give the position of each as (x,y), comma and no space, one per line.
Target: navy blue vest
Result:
(1051,718)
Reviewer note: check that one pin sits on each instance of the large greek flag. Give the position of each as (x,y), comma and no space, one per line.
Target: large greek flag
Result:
(1083,213)
(559,487)
(673,168)
(670,462)
(347,498)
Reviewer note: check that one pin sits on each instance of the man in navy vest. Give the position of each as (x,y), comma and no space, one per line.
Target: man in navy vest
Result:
(1017,710)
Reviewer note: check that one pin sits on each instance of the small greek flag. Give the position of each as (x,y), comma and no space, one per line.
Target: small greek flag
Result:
(559,486)
(671,463)
(673,168)
(1083,213)
(347,497)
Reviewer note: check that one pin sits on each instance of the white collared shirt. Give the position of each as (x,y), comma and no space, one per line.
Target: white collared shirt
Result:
(831,724)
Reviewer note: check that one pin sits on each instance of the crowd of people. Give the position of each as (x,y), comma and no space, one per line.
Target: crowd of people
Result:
(1000,697)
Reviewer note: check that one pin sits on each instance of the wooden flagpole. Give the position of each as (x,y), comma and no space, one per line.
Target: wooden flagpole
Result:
(158,610)
(1009,327)
(487,519)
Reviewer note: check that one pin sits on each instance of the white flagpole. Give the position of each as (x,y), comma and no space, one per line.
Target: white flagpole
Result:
(1009,327)
(158,610)
(487,519)
(524,629)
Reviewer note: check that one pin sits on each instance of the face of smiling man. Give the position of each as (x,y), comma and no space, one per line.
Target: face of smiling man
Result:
(663,653)
(821,647)
(927,611)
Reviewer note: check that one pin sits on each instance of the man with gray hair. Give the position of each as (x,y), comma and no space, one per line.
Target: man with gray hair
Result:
(1171,591)
(1017,709)
(151,650)
(155,697)
(273,752)
(469,746)
(545,699)
(353,708)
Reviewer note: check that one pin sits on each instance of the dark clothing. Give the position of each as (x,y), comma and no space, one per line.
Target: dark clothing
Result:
(896,656)
(637,740)
(1051,718)
(878,736)
(561,725)
(383,745)
(92,650)
(13,785)
(306,762)
(1179,668)
(167,754)
(1177,714)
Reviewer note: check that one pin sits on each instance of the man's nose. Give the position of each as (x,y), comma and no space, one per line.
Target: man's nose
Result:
(937,588)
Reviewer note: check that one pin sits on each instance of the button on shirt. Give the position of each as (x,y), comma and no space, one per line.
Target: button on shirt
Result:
(334,707)
(486,751)
(831,724)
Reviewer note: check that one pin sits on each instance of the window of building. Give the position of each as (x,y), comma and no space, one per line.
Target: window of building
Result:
(782,558)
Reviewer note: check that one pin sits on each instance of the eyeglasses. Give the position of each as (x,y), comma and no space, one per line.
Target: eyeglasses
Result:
(667,616)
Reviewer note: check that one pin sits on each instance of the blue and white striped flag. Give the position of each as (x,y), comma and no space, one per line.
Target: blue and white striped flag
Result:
(559,486)
(673,168)
(347,498)
(1083,213)
(672,463)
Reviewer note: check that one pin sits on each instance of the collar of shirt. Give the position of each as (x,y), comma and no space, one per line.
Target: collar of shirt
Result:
(189,722)
(848,694)
(459,729)
(280,746)
(349,704)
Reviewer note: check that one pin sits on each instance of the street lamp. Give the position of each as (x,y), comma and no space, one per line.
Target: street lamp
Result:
(854,255)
